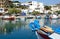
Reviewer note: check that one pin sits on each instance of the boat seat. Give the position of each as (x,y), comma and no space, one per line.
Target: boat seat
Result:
(47,29)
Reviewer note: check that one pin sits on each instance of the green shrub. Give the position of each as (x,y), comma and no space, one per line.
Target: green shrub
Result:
(14,11)
(58,12)
(35,13)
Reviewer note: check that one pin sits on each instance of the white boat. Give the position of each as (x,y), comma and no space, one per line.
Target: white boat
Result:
(53,16)
(38,17)
(43,35)
(6,17)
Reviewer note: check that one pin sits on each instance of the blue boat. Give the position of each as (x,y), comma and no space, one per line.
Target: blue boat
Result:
(35,26)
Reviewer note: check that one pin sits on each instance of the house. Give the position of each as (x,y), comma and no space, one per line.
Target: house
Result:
(54,8)
(26,4)
(34,6)
(58,5)
(16,3)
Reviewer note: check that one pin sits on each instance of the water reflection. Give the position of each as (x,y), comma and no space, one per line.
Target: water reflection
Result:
(8,26)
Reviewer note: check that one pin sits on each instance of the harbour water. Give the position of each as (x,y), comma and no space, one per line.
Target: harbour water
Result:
(20,29)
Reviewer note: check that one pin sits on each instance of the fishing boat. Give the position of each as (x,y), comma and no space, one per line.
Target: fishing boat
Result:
(44,32)
(53,16)
(8,17)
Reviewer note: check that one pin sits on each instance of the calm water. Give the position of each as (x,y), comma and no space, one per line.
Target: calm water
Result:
(20,29)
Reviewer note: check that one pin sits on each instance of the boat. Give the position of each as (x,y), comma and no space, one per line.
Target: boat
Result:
(53,16)
(38,17)
(44,32)
(44,36)
(8,17)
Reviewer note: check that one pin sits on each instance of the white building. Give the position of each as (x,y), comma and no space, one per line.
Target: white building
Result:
(58,5)
(54,8)
(27,4)
(34,6)
(16,3)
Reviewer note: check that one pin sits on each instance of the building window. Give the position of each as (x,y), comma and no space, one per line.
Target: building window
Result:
(37,8)
(30,4)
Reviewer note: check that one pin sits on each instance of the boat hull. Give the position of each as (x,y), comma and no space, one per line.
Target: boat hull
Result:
(43,35)
(8,18)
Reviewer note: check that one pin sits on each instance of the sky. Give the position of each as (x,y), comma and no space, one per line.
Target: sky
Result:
(46,2)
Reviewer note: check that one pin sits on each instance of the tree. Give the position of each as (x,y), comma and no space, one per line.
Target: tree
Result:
(9,4)
(49,13)
(23,7)
(35,13)
(29,12)
(47,7)
(16,5)
(14,11)
(58,12)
